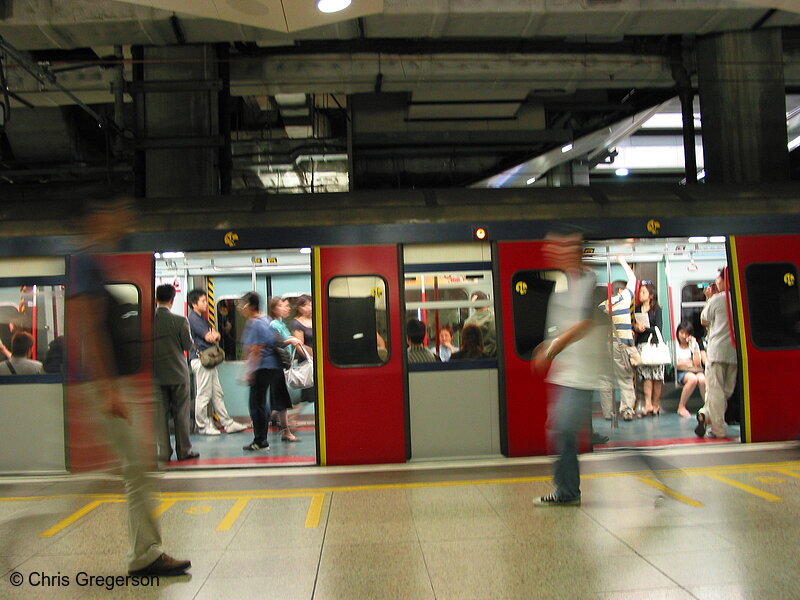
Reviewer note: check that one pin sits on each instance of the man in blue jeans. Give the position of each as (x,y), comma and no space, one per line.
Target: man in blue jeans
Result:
(575,356)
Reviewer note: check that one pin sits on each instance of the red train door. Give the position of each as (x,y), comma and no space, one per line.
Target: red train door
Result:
(131,281)
(524,290)
(361,402)
(768,317)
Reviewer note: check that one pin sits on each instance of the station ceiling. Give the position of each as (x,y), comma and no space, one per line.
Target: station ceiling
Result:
(386,94)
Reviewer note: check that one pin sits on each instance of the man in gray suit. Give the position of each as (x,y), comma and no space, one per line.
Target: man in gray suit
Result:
(172,374)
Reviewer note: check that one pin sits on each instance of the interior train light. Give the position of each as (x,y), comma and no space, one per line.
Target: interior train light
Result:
(622,172)
(531,180)
(717,239)
(480,233)
(698,239)
(332,6)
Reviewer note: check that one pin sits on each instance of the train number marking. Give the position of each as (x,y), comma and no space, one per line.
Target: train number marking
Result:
(522,288)
(653,226)
(231,239)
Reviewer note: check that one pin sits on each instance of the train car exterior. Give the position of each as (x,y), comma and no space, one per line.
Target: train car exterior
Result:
(372,402)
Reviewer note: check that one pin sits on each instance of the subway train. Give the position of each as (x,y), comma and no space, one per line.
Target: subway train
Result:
(371,267)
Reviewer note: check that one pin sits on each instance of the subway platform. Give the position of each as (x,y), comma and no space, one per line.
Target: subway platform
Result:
(707,522)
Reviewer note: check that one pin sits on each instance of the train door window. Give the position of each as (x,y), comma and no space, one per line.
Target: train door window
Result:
(358,321)
(774,305)
(230,324)
(449,301)
(37,310)
(530,293)
(692,302)
(125,323)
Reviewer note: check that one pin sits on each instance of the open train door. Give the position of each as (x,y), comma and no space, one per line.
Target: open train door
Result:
(768,318)
(361,399)
(525,285)
(130,280)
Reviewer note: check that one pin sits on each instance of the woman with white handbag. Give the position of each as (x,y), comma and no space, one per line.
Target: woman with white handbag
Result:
(648,328)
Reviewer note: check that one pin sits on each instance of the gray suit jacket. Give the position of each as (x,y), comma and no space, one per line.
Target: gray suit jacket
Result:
(171,339)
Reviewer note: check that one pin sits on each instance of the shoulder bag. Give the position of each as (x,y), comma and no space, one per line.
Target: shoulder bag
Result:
(655,354)
(211,356)
(300,375)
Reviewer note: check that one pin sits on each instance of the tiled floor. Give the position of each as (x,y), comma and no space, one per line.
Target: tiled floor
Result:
(722,525)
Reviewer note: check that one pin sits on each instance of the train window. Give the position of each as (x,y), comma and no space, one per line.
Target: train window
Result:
(692,302)
(125,323)
(358,321)
(449,301)
(230,324)
(773,303)
(37,310)
(530,292)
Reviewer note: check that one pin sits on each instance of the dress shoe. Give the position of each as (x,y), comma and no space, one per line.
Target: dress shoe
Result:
(165,566)
(190,455)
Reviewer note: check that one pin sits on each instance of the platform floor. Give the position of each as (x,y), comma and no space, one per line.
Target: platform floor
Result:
(705,522)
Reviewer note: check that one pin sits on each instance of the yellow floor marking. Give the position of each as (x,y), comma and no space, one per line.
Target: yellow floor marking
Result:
(233,514)
(315,510)
(162,508)
(670,492)
(747,488)
(794,474)
(81,512)
(770,479)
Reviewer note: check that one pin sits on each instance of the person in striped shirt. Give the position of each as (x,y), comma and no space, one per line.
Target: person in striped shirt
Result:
(621,377)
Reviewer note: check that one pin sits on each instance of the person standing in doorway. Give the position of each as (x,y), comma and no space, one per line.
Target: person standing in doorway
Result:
(206,379)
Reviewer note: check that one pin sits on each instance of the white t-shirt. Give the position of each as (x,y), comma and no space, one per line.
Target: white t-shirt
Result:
(685,354)
(584,363)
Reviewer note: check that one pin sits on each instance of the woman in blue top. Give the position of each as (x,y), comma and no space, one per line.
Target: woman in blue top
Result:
(278,310)
(263,366)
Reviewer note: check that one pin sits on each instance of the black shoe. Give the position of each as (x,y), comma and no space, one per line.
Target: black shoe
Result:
(190,456)
(596,439)
(553,500)
(255,447)
(165,566)
(700,430)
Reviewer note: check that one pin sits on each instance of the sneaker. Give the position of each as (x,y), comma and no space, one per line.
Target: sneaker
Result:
(255,447)
(700,430)
(165,566)
(209,431)
(553,500)
(235,427)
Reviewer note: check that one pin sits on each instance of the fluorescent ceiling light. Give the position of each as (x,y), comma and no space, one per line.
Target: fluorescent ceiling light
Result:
(622,172)
(566,148)
(332,6)
(172,255)
(699,239)
(305,250)
(717,239)
(531,180)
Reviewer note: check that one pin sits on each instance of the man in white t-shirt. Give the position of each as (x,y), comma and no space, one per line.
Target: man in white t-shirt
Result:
(721,367)
(576,354)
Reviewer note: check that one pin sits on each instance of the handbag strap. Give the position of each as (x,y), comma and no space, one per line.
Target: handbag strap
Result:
(658,335)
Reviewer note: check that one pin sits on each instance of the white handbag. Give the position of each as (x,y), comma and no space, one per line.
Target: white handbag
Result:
(655,354)
(300,375)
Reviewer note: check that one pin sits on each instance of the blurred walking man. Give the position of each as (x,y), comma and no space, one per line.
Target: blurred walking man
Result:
(575,357)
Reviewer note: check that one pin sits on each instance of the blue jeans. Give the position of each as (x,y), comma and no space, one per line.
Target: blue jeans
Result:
(570,412)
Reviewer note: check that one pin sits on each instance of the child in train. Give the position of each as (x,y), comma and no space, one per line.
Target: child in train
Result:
(446,347)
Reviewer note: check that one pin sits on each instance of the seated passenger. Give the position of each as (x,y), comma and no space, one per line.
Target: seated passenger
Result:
(483,317)
(446,347)
(54,359)
(471,344)
(415,336)
(688,365)
(20,362)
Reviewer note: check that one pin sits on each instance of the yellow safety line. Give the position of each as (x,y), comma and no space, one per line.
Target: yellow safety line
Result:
(789,473)
(670,492)
(233,514)
(318,353)
(74,517)
(742,341)
(162,508)
(747,488)
(315,511)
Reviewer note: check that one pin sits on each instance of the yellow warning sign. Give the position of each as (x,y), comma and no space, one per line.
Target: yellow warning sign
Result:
(789,279)
(521,287)
(231,239)
(653,226)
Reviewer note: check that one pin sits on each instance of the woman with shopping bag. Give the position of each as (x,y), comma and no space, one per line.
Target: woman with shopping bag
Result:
(648,326)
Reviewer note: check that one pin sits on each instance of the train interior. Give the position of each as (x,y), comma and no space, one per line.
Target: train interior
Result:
(227,276)
(679,269)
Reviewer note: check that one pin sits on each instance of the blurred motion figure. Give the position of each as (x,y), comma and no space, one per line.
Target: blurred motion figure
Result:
(110,397)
